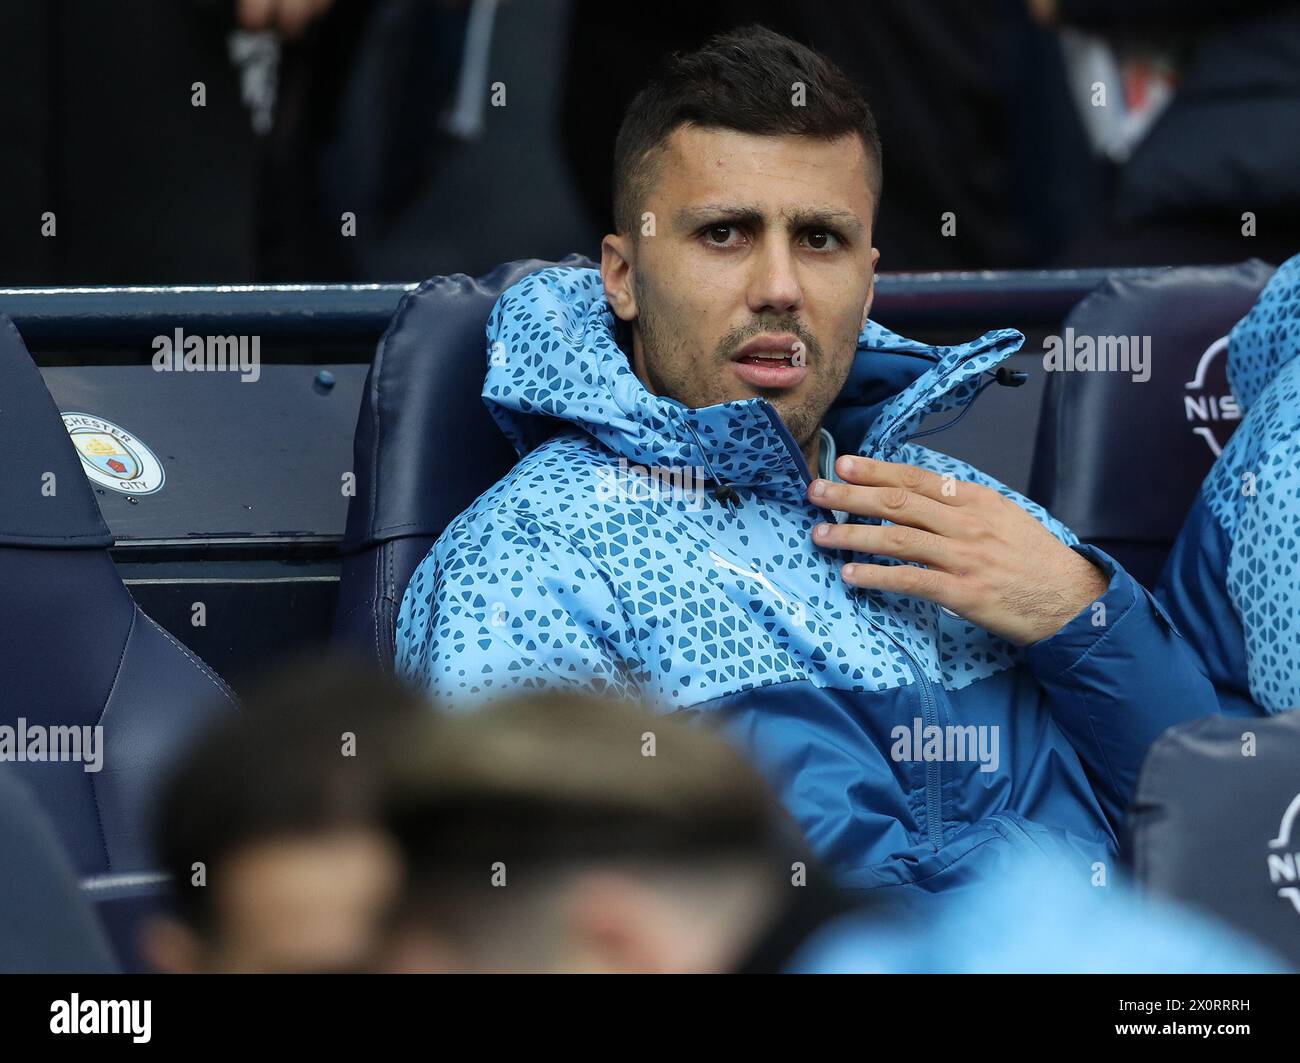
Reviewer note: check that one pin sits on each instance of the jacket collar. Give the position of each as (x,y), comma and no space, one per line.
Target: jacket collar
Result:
(553,357)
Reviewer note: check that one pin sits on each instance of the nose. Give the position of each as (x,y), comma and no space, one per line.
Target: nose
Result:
(774,286)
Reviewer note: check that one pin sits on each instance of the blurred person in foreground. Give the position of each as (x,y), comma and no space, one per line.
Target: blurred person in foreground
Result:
(567,832)
(564,832)
(267,828)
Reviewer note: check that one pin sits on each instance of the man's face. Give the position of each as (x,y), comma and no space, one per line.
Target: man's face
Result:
(311,903)
(761,246)
(307,904)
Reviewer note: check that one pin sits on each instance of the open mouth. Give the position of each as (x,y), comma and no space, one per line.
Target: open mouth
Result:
(772,362)
(767,358)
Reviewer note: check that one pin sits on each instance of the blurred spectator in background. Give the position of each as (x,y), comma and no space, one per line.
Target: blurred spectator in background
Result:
(389,140)
(227,141)
(290,17)
(1198,120)
(140,138)
(987,165)
(112,174)
(448,147)
(267,828)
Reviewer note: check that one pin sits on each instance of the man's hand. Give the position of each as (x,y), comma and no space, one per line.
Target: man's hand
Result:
(985,558)
(1044,12)
(290,17)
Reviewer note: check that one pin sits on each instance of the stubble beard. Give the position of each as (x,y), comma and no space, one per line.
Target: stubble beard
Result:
(672,376)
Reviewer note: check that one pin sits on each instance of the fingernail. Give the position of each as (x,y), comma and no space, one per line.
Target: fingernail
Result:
(818,489)
(847,571)
(848,463)
(821,531)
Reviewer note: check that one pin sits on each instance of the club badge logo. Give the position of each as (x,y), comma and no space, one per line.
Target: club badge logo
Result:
(112,457)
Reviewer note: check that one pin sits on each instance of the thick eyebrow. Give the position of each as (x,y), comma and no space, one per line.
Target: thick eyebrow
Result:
(689,218)
(824,218)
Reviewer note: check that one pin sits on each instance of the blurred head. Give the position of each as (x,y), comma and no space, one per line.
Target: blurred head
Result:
(268,828)
(568,832)
(746,180)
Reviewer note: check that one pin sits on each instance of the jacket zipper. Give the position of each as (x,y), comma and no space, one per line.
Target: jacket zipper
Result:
(929,708)
(933,776)
(929,704)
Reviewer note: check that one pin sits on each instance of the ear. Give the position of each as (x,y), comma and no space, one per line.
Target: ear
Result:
(617,259)
(613,925)
(871,289)
(171,947)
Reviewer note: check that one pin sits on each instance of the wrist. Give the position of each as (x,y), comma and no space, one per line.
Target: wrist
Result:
(1088,584)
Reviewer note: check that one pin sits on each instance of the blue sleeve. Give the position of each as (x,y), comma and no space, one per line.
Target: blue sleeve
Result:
(504,603)
(1116,676)
(1193,588)
(1264,578)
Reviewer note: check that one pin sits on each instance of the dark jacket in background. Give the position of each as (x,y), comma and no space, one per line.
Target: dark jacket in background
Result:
(99,128)
(1228,143)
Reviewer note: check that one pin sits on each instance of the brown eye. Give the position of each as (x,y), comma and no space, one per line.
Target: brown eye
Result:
(718,233)
(821,240)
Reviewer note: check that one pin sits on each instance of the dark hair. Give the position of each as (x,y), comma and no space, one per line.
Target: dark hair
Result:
(741,80)
(557,777)
(558,780)
(276,768)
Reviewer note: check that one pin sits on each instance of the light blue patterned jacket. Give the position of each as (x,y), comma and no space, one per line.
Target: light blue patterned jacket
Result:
(1232,581)
(914,748)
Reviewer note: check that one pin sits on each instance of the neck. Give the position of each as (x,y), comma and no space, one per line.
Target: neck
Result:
(812,452)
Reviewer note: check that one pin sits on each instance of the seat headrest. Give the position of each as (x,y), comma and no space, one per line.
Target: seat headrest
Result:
(1236,857)
(1121,458)
(425,445)
(45,499)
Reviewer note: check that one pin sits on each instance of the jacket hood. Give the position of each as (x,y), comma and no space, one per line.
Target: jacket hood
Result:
(1266,338)
(553,357)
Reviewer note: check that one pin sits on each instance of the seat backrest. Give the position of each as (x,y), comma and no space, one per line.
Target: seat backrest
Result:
(425,445)
(125,904)
(77,653)
(1120,460)
(46,925)
(1216,823)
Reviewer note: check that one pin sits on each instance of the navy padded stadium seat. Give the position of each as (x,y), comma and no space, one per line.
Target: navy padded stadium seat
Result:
(76,650)
(46,925)
(125,903)
(1119,461)
(425,445)
(1215,823)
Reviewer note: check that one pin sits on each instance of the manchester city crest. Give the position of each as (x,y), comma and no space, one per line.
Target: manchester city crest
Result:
(112,457)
